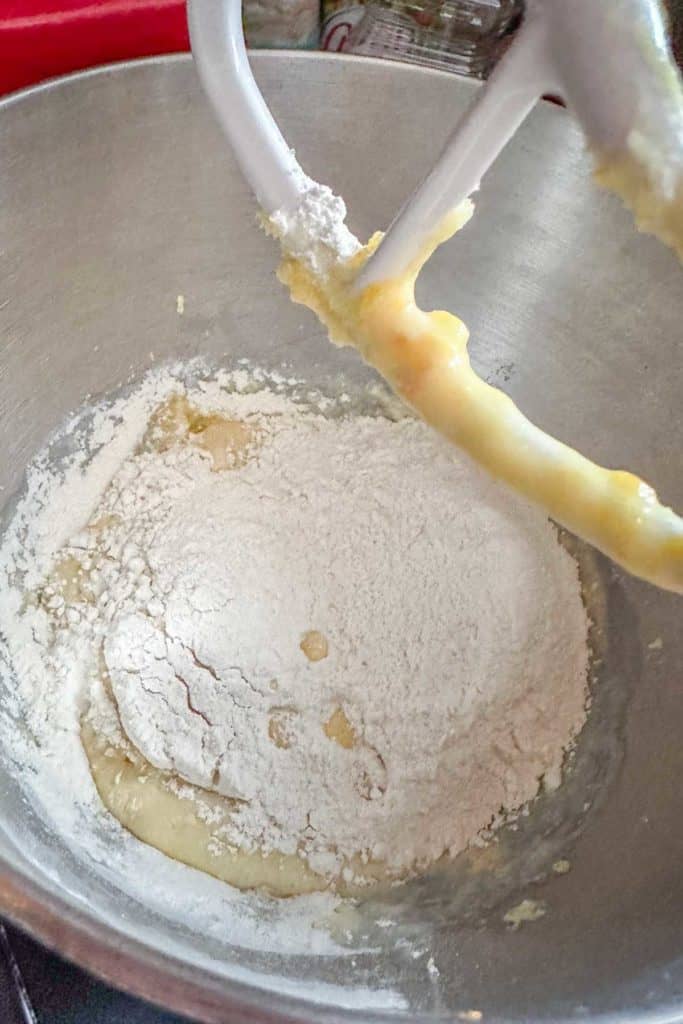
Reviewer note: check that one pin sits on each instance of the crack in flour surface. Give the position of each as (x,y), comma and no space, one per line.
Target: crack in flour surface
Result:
(297,649)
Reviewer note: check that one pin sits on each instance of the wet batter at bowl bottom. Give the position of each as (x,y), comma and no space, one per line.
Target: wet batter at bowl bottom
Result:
(311,650)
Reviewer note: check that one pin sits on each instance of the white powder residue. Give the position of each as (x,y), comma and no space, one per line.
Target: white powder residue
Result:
(349,629)
(39,716)
(432,969)
(315,232)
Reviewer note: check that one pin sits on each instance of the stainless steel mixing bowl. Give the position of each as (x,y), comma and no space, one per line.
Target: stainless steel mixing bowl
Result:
(116,194)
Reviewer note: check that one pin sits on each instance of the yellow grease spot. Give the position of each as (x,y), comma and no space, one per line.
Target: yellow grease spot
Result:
(72,580)
(168,424)
(280,727)
(105,522)
(527,910)
(314,645)
(229,442)
(562,867)
(338,728)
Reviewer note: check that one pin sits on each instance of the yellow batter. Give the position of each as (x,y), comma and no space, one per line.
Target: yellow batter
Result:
(183,820)
(424,358)
(655,212)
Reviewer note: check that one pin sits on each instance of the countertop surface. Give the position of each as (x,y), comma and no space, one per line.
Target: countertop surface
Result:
(37,987)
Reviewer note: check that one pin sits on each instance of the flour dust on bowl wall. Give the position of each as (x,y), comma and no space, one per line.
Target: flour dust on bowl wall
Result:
(296,701)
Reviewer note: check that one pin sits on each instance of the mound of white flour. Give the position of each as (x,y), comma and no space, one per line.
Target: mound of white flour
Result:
(339,627)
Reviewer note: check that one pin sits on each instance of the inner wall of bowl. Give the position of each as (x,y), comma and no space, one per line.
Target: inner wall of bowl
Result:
(117,194)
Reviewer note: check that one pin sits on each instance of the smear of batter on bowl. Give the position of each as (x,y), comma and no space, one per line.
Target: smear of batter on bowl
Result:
(293,664)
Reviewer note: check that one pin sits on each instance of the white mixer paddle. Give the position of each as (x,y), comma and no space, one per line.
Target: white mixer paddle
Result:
(219,51)
(609,61)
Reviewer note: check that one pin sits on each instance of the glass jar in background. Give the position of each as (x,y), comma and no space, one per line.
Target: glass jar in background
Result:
(339,18)
(465,36)
(288,24)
